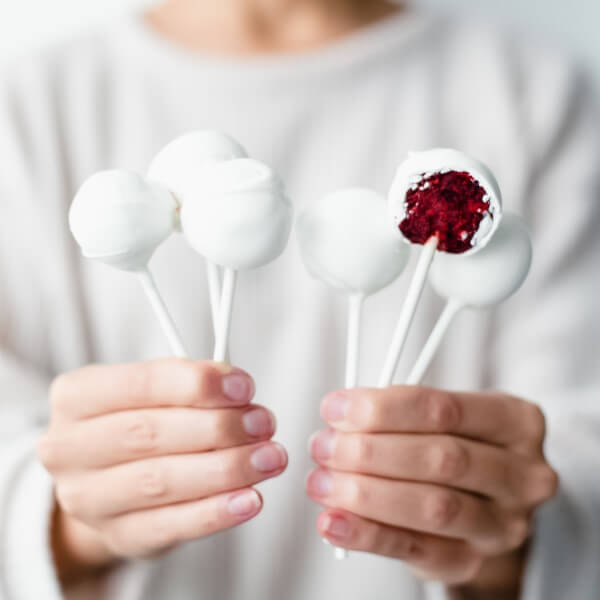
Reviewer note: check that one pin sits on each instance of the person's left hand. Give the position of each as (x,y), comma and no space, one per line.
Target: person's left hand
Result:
(443,481)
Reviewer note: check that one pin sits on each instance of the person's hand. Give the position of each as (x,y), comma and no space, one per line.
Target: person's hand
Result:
(146,456)
(446,482)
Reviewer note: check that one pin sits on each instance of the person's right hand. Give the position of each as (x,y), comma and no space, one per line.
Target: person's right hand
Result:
(146,456)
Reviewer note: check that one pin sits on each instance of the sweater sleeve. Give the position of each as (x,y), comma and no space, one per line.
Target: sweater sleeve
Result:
(546,339)
(32,190)
(26,495)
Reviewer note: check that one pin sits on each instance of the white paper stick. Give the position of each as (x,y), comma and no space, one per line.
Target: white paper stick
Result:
(225,309)
(408,312)
(162,313)
(213,276)
(433,342)
(355,306)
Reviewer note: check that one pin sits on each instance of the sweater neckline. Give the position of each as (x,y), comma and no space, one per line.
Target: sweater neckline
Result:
(349,52)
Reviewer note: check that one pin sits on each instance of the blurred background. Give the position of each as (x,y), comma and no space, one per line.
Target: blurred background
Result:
(571,24)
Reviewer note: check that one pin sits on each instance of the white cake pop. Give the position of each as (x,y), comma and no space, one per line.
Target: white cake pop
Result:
(480,280)
(443,200)
(118,218)
(346,241)
(177,165)
(237,216)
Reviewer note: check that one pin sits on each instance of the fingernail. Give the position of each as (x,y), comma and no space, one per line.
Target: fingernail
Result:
(337,527)
(335,406)
(320,483)
(238,387)
(243,504)
(258,422)
(268,458)
(322,444)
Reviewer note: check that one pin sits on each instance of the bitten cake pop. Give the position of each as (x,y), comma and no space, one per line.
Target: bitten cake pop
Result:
(176,166)
(238,216)
(120,219)
(481,280)
(346,241)
(445,201)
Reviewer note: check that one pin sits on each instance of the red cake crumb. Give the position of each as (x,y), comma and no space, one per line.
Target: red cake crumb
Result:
(448,205)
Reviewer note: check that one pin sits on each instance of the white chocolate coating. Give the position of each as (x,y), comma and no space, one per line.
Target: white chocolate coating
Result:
(176,165)
(117,217)
(237,214)
(491,275)
(347,241)
(420,165)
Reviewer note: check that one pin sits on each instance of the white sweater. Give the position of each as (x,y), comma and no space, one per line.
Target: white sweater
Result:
(343,115)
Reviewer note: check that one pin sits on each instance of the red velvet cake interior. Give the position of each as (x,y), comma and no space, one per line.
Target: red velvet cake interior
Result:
(448,205)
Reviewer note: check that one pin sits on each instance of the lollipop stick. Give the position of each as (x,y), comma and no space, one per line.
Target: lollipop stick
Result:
(225,308)
(213,276)
(408,312)
(433,342)
(355,305)
(162,313)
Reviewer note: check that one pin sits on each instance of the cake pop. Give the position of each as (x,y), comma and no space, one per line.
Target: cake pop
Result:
(118,218)
(236,215)
(346,241)
(176,166)
(445,201)
(481,280)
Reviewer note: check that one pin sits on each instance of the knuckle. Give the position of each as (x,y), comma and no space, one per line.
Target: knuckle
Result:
(361,450)
(389,542)
(221,423)
(443,411)
(152,481)
(517,532)
(536,422)
(71,499)
(544,485)
(160,535)
(405,546)
(370,412)
(222,469)
(204,379)
(141,380)
(356,493)
(48,452)
(448,460)
(441,509)
(141,433)
(57,393)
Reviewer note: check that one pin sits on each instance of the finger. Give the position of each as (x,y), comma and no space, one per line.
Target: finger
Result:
(491,417)
(507,478)
(136,434)
(420,507)
(442,559)
(146,532)
(101,389)
(166,480)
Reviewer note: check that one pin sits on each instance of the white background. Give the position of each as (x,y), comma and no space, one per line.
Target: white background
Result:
(573,24)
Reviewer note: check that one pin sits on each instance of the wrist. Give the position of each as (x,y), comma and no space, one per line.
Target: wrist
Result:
(77,550)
